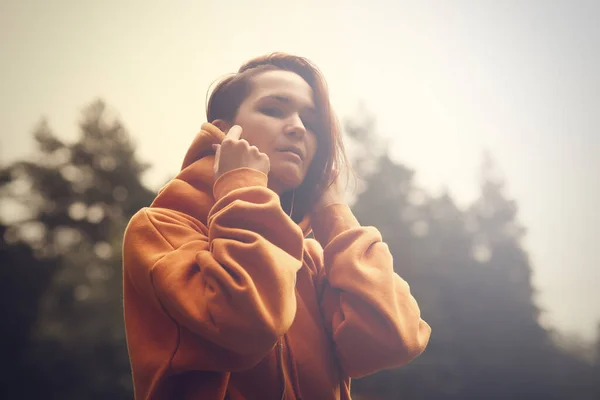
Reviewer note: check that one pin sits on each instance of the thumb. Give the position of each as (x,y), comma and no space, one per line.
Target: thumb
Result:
(235,132)
(217,149)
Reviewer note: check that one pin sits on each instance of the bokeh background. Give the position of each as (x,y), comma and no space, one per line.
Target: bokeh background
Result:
(474,125)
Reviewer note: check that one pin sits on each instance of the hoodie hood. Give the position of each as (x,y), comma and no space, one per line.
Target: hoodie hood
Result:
(197,171)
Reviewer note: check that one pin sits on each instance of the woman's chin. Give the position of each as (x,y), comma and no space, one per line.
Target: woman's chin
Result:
(285,179)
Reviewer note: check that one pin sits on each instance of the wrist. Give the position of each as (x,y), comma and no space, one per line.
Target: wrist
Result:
(237,179)
(319,208)
(330,221)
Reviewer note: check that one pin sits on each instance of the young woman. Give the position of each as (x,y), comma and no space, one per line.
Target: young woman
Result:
(225,297)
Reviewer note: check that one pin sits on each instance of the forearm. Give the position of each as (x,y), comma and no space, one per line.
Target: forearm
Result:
(375,321)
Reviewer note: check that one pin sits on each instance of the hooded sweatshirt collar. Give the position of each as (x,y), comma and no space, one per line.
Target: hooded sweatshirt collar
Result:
(197,171)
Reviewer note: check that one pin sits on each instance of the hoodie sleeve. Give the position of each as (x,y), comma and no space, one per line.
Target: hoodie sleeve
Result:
(231,282)
(371,315)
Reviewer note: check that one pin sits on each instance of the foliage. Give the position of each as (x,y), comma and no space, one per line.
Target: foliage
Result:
(472,280)
(61,277)
(62,259)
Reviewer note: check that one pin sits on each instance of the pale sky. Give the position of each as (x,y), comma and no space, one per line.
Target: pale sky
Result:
(444,79)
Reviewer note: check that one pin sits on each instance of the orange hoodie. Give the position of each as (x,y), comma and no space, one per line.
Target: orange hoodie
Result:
(225,298)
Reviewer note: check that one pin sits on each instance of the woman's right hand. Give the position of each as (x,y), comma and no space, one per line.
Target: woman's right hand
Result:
(234,153)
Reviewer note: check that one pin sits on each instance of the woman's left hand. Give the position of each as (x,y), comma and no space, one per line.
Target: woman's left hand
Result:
(334,194)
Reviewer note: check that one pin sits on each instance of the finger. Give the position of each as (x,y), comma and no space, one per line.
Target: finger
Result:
(217,148)
(267,161)
(235,132)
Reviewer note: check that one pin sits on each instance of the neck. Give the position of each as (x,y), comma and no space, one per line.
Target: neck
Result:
(276,186)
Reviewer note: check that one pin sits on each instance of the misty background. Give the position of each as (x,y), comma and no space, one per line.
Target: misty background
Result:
(475,125)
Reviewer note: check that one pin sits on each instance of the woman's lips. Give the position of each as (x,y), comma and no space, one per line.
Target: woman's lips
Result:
(292,155)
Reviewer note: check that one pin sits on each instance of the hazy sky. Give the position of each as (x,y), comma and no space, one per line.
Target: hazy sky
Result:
(444,79)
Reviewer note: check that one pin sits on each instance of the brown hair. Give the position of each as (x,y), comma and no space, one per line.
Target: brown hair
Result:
(330,157)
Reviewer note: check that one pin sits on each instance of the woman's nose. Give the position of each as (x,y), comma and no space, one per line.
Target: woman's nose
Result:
(295,127)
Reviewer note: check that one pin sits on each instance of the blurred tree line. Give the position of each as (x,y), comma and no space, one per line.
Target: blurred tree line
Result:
(64,213)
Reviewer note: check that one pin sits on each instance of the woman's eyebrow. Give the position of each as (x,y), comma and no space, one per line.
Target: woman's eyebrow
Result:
(287,100)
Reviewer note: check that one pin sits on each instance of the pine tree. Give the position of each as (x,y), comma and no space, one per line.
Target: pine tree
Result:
(499,303)
(78,198)
(472,279)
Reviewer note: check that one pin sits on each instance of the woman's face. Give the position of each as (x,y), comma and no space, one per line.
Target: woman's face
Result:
(278,117)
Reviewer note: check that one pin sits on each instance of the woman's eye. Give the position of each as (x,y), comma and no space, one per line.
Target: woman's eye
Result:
(310,125)
(272,111)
